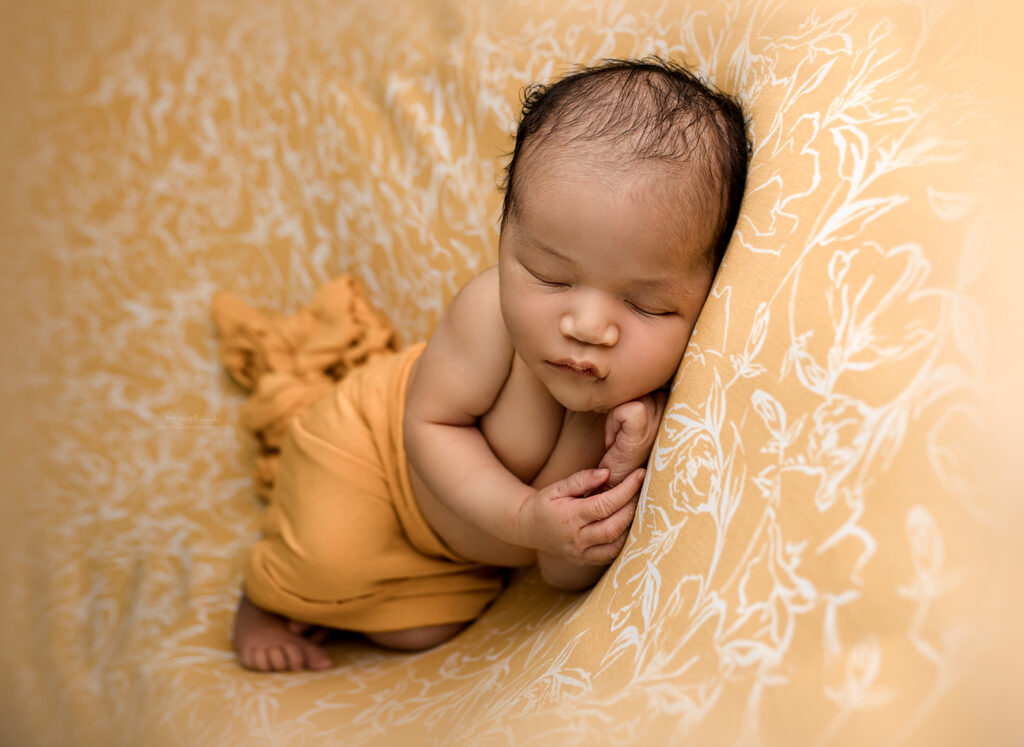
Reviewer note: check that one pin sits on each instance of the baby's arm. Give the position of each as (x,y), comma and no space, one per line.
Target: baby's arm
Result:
(457,379)
(630,430)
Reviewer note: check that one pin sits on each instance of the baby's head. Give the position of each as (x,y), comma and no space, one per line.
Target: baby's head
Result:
(620,198)
(635,115)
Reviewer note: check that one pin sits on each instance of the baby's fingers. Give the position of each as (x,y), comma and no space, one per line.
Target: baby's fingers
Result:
(603,505)
(628,421)
(609,531)
(604,554)
(578,483)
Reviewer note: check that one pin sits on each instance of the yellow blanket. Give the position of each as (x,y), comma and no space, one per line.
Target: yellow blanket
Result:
(345,544)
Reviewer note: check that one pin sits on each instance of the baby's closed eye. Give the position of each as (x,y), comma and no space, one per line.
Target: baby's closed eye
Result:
(649,308)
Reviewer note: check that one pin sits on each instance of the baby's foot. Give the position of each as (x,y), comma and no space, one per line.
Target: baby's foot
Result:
(268,642)
(630,431)
(312,633)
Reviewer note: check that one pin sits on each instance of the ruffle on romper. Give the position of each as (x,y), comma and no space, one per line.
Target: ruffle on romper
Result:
(288,362)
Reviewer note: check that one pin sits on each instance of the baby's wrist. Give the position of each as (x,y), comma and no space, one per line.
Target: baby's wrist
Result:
(524,521)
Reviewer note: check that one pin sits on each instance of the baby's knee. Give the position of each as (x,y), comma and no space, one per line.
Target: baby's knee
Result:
(417,639)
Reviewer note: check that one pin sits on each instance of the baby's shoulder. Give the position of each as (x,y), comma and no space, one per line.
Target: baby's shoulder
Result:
(476,308)
(482,291)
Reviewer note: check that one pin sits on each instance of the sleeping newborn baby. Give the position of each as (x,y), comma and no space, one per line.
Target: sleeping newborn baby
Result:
(518,433)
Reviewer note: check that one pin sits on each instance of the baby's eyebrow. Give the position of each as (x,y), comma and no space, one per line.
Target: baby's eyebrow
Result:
(655,284)
(658,285)
(664,288)
(538,244)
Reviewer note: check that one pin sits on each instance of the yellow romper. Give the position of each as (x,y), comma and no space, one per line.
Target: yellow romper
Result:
(344,542)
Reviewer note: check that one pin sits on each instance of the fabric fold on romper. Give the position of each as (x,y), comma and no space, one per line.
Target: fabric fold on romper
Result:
(288,362)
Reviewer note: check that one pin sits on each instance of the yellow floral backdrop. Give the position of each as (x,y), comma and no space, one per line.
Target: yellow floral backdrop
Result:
(827,544)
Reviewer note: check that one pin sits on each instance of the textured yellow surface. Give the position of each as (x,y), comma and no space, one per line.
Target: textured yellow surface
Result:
(824,553)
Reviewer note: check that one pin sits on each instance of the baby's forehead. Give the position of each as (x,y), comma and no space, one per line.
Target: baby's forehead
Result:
(639,201)
(611,159)
(675,192)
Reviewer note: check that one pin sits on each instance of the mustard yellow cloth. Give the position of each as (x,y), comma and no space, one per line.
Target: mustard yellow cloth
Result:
(344,542)
(287,362)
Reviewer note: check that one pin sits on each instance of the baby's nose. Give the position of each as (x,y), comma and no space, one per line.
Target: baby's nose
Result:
(588,325)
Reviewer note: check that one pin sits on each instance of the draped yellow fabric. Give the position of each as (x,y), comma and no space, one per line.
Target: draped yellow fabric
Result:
(827,545)
(344,543)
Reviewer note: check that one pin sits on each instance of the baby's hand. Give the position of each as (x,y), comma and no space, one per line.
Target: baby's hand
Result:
(629,434)
(562,520)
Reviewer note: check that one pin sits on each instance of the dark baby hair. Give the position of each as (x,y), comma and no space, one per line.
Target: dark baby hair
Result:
(659,111)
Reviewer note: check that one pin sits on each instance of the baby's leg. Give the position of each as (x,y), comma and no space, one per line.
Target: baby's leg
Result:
(417,639)
(268,642)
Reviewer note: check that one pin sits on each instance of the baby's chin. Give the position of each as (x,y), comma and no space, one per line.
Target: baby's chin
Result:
(577,401)
(592,399)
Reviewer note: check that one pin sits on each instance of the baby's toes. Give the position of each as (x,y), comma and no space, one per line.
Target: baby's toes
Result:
(277,658)
(294,656)
(255,657)
(316,657)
